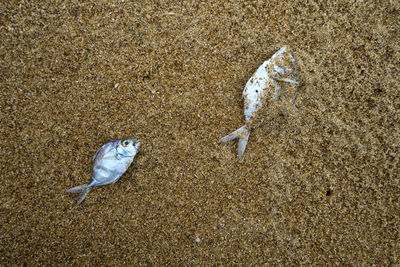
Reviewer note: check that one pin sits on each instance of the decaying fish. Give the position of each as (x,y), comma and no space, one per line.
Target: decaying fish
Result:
(261,92)
(110,162)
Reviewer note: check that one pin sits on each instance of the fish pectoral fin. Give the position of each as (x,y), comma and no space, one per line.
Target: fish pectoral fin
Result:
(287,80)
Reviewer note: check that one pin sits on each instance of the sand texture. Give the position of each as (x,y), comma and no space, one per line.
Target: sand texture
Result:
(318,184)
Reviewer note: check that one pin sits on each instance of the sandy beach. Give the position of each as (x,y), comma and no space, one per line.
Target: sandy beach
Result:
(317,185)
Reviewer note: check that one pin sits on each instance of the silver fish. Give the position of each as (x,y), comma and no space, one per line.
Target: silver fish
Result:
(260,92)
(110,162)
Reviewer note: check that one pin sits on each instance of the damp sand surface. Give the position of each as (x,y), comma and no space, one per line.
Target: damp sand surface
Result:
(318,184)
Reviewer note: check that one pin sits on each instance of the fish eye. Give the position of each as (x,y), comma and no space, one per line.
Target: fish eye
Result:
(125,143)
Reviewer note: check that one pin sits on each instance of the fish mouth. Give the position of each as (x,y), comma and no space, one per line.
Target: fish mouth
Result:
(136,143)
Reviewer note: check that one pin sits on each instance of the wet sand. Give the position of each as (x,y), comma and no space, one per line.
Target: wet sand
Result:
(317,185)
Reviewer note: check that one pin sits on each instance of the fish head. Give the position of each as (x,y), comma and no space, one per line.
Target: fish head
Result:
(128,147)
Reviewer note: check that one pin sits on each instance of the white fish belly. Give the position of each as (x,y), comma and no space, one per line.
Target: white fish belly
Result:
(254,91)
(110,170)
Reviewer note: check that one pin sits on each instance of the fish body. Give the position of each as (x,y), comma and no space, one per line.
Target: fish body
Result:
(261,91)
(109,163)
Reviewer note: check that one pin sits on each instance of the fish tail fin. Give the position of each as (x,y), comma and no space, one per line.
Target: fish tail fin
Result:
(82,189)
(243,134)
(243,143)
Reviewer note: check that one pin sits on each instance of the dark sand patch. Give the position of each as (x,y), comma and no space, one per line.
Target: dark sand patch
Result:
(320,185)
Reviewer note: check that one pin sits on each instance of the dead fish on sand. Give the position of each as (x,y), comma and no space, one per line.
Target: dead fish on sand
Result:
(261,91)
(110,162)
